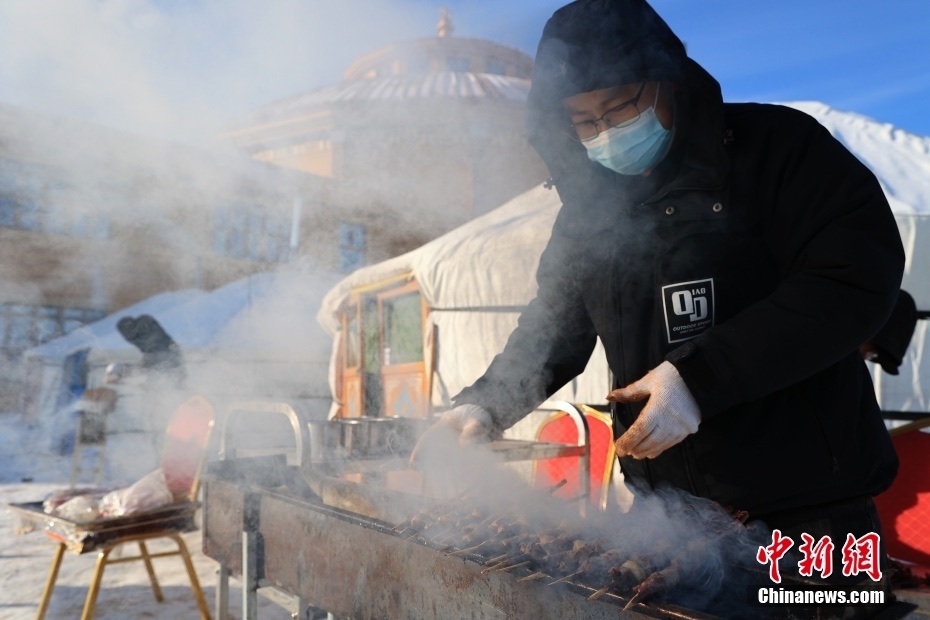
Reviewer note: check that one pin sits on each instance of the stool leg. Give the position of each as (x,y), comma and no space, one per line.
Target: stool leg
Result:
(91,601)
(144,552)
(101,457)
(76,458)
(50,581)
(195,584)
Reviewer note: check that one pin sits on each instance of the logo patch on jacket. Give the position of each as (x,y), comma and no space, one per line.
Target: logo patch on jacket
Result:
(689,308)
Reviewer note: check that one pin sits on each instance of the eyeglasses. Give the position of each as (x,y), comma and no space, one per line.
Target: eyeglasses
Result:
(618,116)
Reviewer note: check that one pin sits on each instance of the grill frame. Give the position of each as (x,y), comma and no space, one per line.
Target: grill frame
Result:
(356,567)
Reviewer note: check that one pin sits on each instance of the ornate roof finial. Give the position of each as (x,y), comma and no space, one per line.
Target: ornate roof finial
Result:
(444,27)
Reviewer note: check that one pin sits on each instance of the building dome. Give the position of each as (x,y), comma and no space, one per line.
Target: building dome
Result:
(437,85)
(435,54)
(429,132)
(441,67)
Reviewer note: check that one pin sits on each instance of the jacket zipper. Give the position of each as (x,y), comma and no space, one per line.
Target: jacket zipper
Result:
(658,197)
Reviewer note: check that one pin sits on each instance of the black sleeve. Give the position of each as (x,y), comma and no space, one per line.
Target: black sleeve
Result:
(840,255)
(551,345)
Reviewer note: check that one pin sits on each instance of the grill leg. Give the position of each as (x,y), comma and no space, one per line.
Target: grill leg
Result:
(101,462)
(250,547)
(195,583)
(156,589)
(249,575)
(91,601)
(50,581)
(222,592)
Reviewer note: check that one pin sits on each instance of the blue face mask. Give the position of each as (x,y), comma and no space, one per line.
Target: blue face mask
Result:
(632,149)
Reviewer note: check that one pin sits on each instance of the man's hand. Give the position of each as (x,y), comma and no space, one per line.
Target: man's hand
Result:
(670,415)
(462,425)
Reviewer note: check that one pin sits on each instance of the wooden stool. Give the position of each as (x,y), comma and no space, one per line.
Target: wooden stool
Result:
(91,431)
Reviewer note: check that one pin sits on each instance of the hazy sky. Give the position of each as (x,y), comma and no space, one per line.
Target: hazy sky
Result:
(182,69)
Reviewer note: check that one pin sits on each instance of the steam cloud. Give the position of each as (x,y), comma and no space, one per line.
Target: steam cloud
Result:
(180,70)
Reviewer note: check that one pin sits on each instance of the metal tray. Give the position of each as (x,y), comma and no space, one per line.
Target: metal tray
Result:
(85,537)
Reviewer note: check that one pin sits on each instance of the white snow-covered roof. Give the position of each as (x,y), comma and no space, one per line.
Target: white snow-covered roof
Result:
(90,336)
(271,311)
(900,159)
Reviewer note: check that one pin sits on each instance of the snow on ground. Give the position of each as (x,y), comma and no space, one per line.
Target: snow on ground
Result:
(29,471)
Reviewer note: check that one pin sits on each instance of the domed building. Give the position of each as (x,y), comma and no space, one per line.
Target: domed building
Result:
(429,132)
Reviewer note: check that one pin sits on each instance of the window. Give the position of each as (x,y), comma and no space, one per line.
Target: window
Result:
(353,342)
(238,223)
(101,228)
(24,326)
(7,210)
(256,238)
(47,328)
(220,232)
(458,64)
(371,349)
(57,216)
(29,202)
(19,189)
(495,67)
(32,199)
(418,65)
(19,335)
(351,247)
(403,340)
(251,231)
(80,224)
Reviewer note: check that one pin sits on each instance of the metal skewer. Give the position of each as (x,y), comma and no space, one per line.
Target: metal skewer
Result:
(566,578)
(503,564)
(636,599)
(506,568)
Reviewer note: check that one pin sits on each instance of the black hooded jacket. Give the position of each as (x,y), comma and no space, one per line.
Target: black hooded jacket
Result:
(755,258)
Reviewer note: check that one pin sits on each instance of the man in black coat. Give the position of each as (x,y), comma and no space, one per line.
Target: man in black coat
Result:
(730,257)
(160,353)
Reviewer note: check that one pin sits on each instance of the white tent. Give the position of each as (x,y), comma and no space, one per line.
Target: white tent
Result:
(253,338)
(477,278)
(47,362)
(910,389)
(901,161)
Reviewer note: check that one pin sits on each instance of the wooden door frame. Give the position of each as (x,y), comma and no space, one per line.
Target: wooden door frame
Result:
(411,286)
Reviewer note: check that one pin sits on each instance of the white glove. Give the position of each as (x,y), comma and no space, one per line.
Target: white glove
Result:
(670,415)
(466,424)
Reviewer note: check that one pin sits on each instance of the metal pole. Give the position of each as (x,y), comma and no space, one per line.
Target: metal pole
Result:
(250,545)
(222,592)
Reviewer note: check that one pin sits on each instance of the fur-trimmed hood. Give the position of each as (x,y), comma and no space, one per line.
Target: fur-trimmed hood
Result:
(593,44)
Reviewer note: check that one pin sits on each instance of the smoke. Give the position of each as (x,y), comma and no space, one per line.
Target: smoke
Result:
(694,544)
(180,70)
